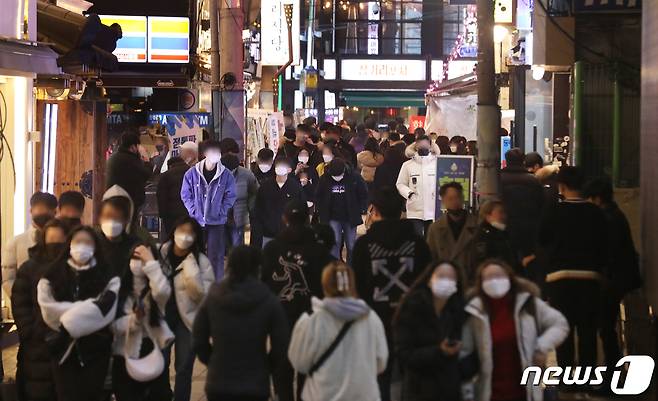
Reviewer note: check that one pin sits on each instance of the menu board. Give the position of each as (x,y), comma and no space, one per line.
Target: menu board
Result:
(131,48)
(168,39)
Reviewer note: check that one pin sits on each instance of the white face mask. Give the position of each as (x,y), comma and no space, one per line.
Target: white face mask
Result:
(498,225)
(264,167)
(213,157)
(327,158)
(496,288)
(136,268)
(183,241)
(338,178)
(281,170)
(302,159)
(111,228)
(443,288)
(81,253)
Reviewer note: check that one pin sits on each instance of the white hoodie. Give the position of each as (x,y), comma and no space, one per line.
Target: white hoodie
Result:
(350,373)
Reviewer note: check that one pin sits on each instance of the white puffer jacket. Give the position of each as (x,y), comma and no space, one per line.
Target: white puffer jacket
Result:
(539,327)
(192,281)
(418,177)
(139,329)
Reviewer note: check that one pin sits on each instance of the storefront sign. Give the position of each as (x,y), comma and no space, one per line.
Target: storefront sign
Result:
(606,5)
(383,70)
(274,32)
(459,169)
(182,127)
(416,122)
(169,40)
(469,47)
(131,48)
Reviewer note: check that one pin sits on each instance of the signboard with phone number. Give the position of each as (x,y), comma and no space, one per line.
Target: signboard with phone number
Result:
(455,168)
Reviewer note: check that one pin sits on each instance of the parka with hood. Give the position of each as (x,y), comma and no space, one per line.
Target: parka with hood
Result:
(418,177)
(208,202)
(539,327)
(231,334)
(368,163)
(350,373)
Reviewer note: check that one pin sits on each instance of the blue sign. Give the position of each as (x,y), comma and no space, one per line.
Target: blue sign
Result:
(607,5)
(182,127)
(505,145)
(453,168)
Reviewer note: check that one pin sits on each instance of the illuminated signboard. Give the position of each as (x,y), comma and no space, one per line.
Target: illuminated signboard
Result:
(168,39)
(274,32)
(131,48)
(383,70)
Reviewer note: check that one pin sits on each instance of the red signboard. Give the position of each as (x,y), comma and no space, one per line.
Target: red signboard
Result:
(416,122)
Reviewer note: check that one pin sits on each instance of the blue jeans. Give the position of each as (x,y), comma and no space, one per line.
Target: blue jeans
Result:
(184,363)
(235,236)
(216,244)
(343,231)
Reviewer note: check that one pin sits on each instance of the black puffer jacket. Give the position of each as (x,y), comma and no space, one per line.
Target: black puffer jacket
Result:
(170,205)
(239,318)
(271,202)
(524,198)
(493,243)
(128,171)
(33,371)
(429,375)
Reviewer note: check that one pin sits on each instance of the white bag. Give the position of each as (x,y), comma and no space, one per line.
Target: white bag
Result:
(147,368)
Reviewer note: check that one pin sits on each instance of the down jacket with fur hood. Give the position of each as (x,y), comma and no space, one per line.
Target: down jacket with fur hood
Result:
(539,327)
(417,183)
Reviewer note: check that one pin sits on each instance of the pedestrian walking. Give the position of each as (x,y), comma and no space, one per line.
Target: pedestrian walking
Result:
(342,199)
(130,169)
(622,271)
(388,172)
(417,183)
(428,331)
(190,276)
(273,196)
(301,141)
(292,269)
(78,301)
(328,154)
(70,208)
(208,193)
(232,329)
(170,204)
(262,167)
(510,328)
(16,251)
(140,330)
(341,347)
(387,260)
(115,234)
(492,239)
(34,377)
(342,149)
(452,236)
(369,159)
(246,188)
(574,234)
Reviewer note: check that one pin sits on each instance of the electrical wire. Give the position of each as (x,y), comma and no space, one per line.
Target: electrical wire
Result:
(3,139)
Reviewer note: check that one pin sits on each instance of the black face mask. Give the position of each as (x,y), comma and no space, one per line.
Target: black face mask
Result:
(423,152)
(52,251)
(40,220)
(71,222)
(455,212)
(230,161)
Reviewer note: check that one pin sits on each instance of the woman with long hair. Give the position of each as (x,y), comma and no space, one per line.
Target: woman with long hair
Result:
(427,331)
(78,300)
(33,373)
(510,328)
(354,335)
(232,329)
(369,159)
(190,276)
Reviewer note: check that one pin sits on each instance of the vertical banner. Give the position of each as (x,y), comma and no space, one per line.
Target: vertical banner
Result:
(455,168)
(274,32)
(276,127)
(228,111)
(182,127)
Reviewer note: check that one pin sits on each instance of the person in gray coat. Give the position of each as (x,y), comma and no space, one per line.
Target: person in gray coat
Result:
(246,187)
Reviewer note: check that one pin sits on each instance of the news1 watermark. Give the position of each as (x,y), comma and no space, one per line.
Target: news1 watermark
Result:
(638,375)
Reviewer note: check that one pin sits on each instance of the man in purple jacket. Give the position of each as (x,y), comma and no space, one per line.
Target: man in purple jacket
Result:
(208,193)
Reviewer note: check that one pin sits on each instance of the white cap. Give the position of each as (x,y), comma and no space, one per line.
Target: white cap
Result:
(189,145)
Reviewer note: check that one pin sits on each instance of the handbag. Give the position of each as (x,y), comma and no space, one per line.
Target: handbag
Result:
(148,367)
(332,347)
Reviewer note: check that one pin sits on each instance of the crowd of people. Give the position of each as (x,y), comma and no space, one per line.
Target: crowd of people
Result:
(309,310)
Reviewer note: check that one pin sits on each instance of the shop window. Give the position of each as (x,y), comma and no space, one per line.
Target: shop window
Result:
(453,25)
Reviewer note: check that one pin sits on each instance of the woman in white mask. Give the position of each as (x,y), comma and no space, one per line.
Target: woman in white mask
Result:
(492,239)
(114,232)
(190,276)
(78,301)
(510,328)
(427,330)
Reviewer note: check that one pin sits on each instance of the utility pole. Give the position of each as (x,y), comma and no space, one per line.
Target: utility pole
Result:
(488,112)
(214,44)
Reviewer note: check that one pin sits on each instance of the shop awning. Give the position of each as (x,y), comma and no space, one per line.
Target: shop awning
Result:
(28,57)
(384,99)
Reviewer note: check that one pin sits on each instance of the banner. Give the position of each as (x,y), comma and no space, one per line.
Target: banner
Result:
(459,169)
(416,122)
(182,127)
(264,129)
(274,32)
(452,115)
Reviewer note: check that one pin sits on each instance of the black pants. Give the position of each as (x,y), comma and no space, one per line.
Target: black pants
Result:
(81,383)
(127,389)
(609,315)
(386,377)
(284,382)
(579,302)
